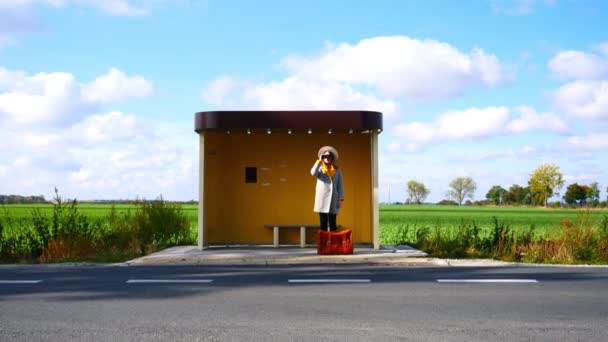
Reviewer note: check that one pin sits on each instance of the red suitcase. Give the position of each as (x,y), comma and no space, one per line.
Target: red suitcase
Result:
(335,242)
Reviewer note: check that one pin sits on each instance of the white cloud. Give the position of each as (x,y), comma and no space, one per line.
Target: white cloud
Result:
(44,98)
(57,98)
(8,78)
(109,155)
(119,7)
(363,76)
(112,7)
(15,18)
(401,66)
(225,91)
(518,7)
(453,125)
(110,127)
(592,141)
(579,65)
(531,120)
(293,93)
(52,137)
(472,124)
(523,152)
(116,86)
(144,166)
(584,99)
(21,15)
(413,136)
(603,48)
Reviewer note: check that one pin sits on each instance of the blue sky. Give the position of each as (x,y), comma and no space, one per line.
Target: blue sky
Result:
(97,96)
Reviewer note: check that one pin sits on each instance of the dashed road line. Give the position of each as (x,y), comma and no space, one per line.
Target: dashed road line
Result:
(316,281)
(20,281)
(487,281)
(169,281)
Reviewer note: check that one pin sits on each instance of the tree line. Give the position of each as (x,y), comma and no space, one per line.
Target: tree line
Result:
(19,199)
(544,182)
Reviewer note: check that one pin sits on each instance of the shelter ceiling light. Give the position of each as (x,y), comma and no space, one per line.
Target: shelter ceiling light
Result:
(289,131)
(268,131)
(329,132)
(309,131)
(350,131)
(248,131)
(227,131)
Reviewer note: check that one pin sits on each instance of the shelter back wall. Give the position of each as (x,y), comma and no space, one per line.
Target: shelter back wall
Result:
(236,211)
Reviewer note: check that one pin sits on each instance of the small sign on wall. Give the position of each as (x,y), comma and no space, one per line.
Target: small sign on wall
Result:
(251,174)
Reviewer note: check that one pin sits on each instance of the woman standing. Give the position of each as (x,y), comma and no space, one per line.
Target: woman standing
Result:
(329,194)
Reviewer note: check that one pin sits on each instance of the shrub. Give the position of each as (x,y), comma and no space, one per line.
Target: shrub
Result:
(67,247)
(159,224)
(66,219)
(394,234)
(447,202)
(116,232)
(602,239)
(18,239)
(67,234)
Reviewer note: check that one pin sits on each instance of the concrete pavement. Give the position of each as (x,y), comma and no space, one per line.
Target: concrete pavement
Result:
(263,255)
(282,255)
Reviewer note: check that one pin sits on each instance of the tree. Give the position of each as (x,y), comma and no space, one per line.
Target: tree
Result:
(517,194)
(545,180)
(461,188)
(575,194)
(416,192)
(496,194)
(593,194)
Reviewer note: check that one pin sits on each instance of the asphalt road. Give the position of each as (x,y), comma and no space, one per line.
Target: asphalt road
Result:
(302,303)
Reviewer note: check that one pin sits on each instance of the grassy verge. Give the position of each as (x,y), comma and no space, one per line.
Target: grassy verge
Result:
(66,234)
(583,240)
(68,231)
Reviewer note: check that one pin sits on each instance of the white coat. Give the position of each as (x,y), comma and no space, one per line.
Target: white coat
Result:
(329,190)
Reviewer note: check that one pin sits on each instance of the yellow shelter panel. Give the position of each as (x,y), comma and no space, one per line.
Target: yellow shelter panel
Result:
(283,190)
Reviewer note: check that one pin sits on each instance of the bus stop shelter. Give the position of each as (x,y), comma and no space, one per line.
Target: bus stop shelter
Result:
(254,171)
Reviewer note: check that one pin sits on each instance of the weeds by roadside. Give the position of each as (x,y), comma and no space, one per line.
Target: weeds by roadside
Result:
(68,235)
(573,242)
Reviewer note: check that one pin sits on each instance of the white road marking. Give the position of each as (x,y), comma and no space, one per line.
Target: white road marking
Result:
(329,281)
(168,281)
(487,281)
(20,281)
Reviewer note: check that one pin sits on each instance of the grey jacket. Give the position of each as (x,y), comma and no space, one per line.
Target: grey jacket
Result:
(328,191)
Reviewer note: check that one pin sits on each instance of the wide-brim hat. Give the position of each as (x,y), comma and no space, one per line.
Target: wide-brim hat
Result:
(329,149)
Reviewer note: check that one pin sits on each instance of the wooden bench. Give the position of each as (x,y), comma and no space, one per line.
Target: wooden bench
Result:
(302,227)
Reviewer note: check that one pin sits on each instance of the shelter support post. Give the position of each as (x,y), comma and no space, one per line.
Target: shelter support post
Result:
(375,200)
(302,237)
(275,237)
(202,224)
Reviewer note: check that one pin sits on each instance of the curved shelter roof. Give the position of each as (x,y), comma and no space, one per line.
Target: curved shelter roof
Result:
(313,119)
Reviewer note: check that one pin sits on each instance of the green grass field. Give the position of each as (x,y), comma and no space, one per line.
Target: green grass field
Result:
(390,215)
(433,216)
(444,231)
(18,211)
